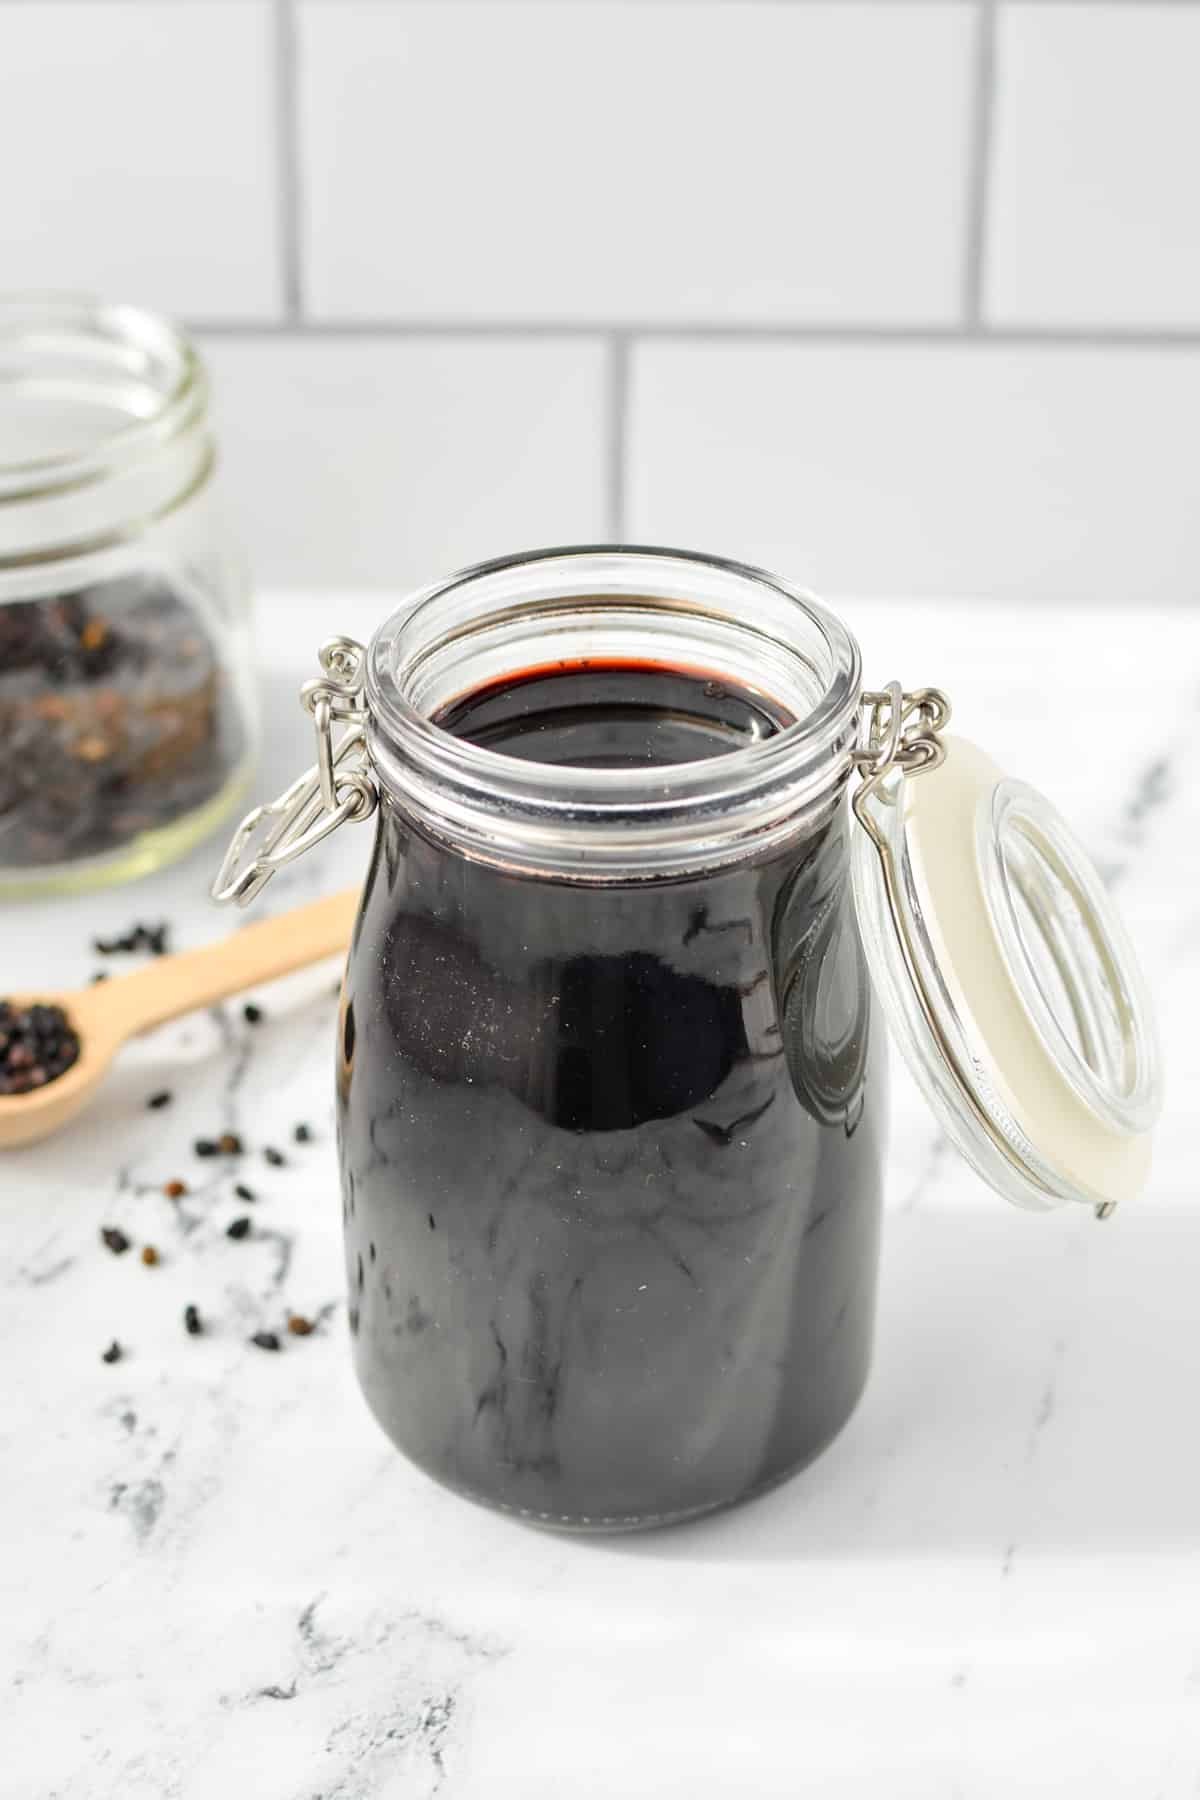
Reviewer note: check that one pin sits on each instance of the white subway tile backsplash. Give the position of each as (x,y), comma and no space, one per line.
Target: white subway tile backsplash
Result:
(138,146)
(610,165)
(665,161)
(1094,191)
(942,469)
(382,463)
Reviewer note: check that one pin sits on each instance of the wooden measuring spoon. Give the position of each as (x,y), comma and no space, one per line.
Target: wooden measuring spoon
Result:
(111,1011)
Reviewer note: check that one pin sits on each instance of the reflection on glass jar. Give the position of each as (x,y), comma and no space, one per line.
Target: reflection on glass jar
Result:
(126,716)
(825,988)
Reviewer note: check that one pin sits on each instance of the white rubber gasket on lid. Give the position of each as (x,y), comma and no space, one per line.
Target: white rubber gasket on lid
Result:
(1023,1074)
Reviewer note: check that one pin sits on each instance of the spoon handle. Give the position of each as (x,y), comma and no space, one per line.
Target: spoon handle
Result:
(257,953)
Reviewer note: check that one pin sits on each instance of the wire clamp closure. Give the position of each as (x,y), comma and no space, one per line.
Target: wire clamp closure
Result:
(337,790)
(900,731)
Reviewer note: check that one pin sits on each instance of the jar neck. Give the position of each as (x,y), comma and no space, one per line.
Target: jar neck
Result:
(657,607)
(103,431)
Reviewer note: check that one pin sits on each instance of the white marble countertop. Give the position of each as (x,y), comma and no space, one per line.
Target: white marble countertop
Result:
(219,1579)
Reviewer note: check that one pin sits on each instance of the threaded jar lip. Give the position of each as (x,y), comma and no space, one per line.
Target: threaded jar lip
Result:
(157,369)
(102,431)
(652,603)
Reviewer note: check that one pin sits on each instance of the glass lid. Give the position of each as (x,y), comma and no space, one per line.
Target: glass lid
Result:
(1002,966)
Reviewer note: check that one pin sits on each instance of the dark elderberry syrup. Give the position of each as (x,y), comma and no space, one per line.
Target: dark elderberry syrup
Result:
(610,1152)
(601,713)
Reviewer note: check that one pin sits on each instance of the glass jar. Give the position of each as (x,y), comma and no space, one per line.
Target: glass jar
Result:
(127,716)
(610,1080)
(610,1105)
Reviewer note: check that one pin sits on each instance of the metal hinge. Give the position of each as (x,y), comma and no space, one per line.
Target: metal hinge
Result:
(338,790)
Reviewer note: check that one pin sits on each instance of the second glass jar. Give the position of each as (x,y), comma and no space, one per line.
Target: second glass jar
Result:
(127,711)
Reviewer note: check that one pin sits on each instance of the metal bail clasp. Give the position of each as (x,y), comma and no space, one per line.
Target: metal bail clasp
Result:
(900,731)
(337,790)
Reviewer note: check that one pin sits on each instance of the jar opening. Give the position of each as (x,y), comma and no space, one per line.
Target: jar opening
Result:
(98,425)
(665,608)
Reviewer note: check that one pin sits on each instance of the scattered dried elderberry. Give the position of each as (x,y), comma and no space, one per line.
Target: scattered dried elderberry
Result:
(37,1044)
(113,1354)
(266,1340)
(192,1322)
(276,1158)
(157,1101)
(303,1134)
(150,1256)
(252,1014)
(244,1193)
(114,1239)
(205,1147)
(239,1229)
(139,937)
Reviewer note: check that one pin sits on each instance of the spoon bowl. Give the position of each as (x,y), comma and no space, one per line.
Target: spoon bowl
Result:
(24,1118)
(106,1014)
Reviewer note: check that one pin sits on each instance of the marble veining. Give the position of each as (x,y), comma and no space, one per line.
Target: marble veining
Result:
(220,1580)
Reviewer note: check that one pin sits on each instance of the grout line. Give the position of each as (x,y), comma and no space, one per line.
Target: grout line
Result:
(1106,5)
(979,166)
(287,151)
(881,5)
(618,430)
(1103,5)
(796,3)
(1114,337)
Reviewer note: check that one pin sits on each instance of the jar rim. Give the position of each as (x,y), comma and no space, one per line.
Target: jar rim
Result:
(589,823)
(157,380)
